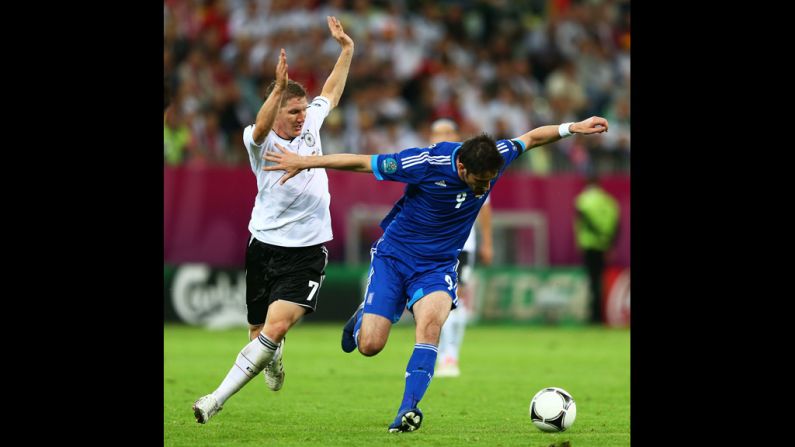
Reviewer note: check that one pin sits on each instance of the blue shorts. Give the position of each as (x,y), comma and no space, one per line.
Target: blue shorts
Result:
(397,281)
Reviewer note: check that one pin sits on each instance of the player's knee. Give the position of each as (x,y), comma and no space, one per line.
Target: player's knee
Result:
(370,346)
(276,330)
(430,330)
(370,350)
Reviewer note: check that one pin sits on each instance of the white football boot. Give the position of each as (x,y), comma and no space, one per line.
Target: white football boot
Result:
(274,370)
(205,408)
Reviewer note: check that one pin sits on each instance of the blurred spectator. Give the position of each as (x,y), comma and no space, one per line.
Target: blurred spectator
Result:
(333,134)
(400,135)
(566,94)
(501,64)
(617,140)
(595,75)
(209,137)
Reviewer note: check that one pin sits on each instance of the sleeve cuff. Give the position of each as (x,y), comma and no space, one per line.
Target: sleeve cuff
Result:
(374,166)
(326,100)
(519,143)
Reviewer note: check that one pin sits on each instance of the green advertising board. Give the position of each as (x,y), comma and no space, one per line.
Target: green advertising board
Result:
(202,295)
(557,295)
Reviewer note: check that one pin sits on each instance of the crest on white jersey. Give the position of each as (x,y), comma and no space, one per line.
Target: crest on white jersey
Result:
(308,139)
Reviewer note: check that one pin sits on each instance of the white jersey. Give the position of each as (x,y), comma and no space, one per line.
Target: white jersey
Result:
(295,214)
(471,244)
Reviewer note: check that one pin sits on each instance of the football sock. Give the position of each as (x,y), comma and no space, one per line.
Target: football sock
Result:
(358,325)
(452,334)
(250,361)
(419,372)
(459,326)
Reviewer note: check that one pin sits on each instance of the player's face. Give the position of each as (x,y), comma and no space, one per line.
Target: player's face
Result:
(479,183)
(290,119)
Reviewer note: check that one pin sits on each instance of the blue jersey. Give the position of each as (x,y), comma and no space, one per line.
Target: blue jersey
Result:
(436,213)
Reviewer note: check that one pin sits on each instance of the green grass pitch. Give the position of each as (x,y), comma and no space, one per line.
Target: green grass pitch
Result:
(335,399)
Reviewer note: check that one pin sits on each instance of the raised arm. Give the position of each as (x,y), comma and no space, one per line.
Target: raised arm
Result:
(335,83)
(294,163)
(549,134)
(267,113)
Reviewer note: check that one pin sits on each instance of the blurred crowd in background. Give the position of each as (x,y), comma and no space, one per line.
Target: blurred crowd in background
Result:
(499,66)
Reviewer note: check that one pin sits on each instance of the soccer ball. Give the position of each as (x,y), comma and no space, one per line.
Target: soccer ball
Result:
(553,409)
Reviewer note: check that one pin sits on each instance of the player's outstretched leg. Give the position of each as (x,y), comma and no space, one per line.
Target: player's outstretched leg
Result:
(250,361)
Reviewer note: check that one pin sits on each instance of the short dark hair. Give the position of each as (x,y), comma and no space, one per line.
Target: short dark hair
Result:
(480,155)
(294,90)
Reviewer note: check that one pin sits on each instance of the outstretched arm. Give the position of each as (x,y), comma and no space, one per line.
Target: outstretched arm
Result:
(335,83)
(267,113)
(294,163)
(549,134)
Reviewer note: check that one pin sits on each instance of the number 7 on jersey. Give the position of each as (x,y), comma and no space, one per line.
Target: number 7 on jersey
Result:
(314,285)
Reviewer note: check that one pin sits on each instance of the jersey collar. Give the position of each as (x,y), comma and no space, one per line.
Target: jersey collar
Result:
(453,160)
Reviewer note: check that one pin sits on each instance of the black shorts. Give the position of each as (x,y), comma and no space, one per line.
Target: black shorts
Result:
(464,269)
(292,274)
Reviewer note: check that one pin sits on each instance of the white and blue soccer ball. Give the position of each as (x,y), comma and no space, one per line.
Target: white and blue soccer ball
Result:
(553,410)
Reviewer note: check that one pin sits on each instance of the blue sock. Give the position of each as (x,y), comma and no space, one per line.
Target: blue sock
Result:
(419,372)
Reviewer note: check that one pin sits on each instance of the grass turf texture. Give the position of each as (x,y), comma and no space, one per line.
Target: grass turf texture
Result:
(331,398)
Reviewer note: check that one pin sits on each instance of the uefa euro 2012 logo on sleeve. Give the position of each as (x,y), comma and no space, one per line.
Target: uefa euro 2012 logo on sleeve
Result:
(389,165)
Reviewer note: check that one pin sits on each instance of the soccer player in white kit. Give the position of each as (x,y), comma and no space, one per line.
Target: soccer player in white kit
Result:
(452,335)
(285,257)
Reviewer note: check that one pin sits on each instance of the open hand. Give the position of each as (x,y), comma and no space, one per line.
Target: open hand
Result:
(338,33)
(281,71)
(285,161)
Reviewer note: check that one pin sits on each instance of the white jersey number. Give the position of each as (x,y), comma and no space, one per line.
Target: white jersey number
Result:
(460,199)
(314,285)
(449,281)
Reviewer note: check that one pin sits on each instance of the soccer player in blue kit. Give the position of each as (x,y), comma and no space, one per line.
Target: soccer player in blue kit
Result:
(413,265)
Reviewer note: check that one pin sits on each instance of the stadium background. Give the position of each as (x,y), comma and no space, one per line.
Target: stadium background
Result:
(502,67)
(496,66)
